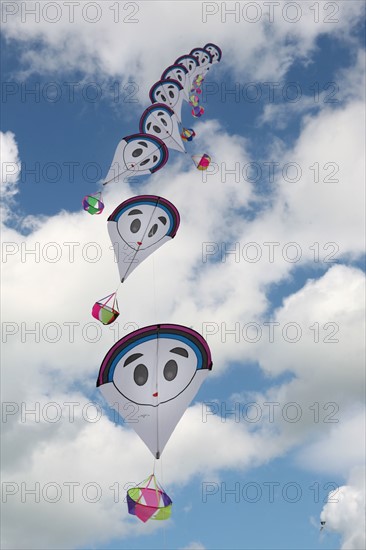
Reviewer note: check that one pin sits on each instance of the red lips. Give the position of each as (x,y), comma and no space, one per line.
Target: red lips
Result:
(139,243)
(155,394)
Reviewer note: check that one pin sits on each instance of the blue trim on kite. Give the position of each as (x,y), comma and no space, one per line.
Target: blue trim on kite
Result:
(111,368)
(153,203)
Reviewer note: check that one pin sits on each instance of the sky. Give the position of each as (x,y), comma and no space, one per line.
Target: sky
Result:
(268,266)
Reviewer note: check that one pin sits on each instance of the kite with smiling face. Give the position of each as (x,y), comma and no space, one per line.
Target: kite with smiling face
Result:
(215,52)
(137,155)
(204,59)
(190,63)
(168,92)
(180,74)
(151,376)
(138,227)
(160,120)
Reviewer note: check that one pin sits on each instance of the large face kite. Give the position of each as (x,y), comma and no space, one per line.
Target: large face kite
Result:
(137,155)
(215,52)
(151,376)
(160,120)
(138,227)
(169,93)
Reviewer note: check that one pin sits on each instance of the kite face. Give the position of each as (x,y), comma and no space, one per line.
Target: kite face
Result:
(189,62)
(160,120)
(158,370)
(143,223)
(203,57)
(137,155)
(138,227)
(167,92)
(175,72)
(137,377)
(142,153)
(215,52)
(180,74)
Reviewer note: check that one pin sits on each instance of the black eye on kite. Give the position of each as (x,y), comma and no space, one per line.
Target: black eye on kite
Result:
(136,153)
(155,158)
(163,97)
(171,95)
(153,230)
(140,375)
(143,162)
(157,129)
(135,226)
(162,219)
(163,121)
(170,370)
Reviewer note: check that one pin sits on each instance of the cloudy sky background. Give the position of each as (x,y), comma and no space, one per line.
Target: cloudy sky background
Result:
(283,313)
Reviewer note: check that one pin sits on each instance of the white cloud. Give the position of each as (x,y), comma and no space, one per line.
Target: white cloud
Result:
(341,449)
(344,512)
(194,546)
(10,169)
(91,37)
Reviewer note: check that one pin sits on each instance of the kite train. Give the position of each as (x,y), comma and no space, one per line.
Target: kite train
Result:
(155,371)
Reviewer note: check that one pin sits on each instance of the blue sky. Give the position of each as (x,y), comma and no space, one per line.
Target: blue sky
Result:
(320,370)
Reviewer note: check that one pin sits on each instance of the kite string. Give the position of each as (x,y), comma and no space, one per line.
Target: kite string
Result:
(157,390)
(164,526)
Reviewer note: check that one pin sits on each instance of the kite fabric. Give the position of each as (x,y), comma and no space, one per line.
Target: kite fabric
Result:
(151,376)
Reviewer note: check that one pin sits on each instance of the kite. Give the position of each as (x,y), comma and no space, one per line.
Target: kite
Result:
(168,92)
(137,155)
(202,162)
(156,371)
(179,73)
(147,152)
(147,502)
(197,111)
(187,134)
(215,52)
(138,227)
(93,203)
(104,313)
(190,63)
(204,59)
(160,121)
